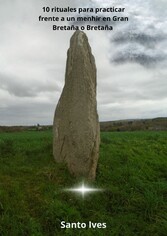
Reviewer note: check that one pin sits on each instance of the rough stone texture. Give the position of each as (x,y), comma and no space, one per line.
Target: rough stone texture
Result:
(76,127)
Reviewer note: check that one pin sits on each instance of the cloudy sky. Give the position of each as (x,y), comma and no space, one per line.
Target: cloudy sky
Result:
(131,61)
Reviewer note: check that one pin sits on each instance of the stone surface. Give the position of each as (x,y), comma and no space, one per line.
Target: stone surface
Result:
(76,126)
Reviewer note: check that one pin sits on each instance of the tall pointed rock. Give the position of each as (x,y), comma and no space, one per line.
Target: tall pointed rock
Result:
(76,127)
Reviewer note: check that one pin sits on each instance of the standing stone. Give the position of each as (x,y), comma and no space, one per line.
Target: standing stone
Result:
(76,127)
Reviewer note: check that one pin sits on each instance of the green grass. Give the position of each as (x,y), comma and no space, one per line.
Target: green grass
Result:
(132,169)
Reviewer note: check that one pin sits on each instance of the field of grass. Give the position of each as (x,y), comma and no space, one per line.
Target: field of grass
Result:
(132,169)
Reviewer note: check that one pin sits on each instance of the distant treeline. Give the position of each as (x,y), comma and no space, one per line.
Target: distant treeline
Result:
(25,128)
(121,125)
(134,125)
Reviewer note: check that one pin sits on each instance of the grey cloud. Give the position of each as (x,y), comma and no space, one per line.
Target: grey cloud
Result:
(41,113)
(142,58)
(139,37)
(133,86)
(21,87)
(155,88)
(145,27)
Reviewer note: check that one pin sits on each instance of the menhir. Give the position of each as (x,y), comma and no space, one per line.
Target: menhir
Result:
(76,126)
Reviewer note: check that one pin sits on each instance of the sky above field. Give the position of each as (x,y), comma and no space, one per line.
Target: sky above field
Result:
(131,61)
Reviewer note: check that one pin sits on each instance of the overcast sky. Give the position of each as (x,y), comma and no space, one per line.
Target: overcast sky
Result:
(131,61)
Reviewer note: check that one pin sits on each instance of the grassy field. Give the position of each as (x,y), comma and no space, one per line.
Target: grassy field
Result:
(132,169)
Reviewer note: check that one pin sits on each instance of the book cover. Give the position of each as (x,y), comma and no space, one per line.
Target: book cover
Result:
(117,66)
